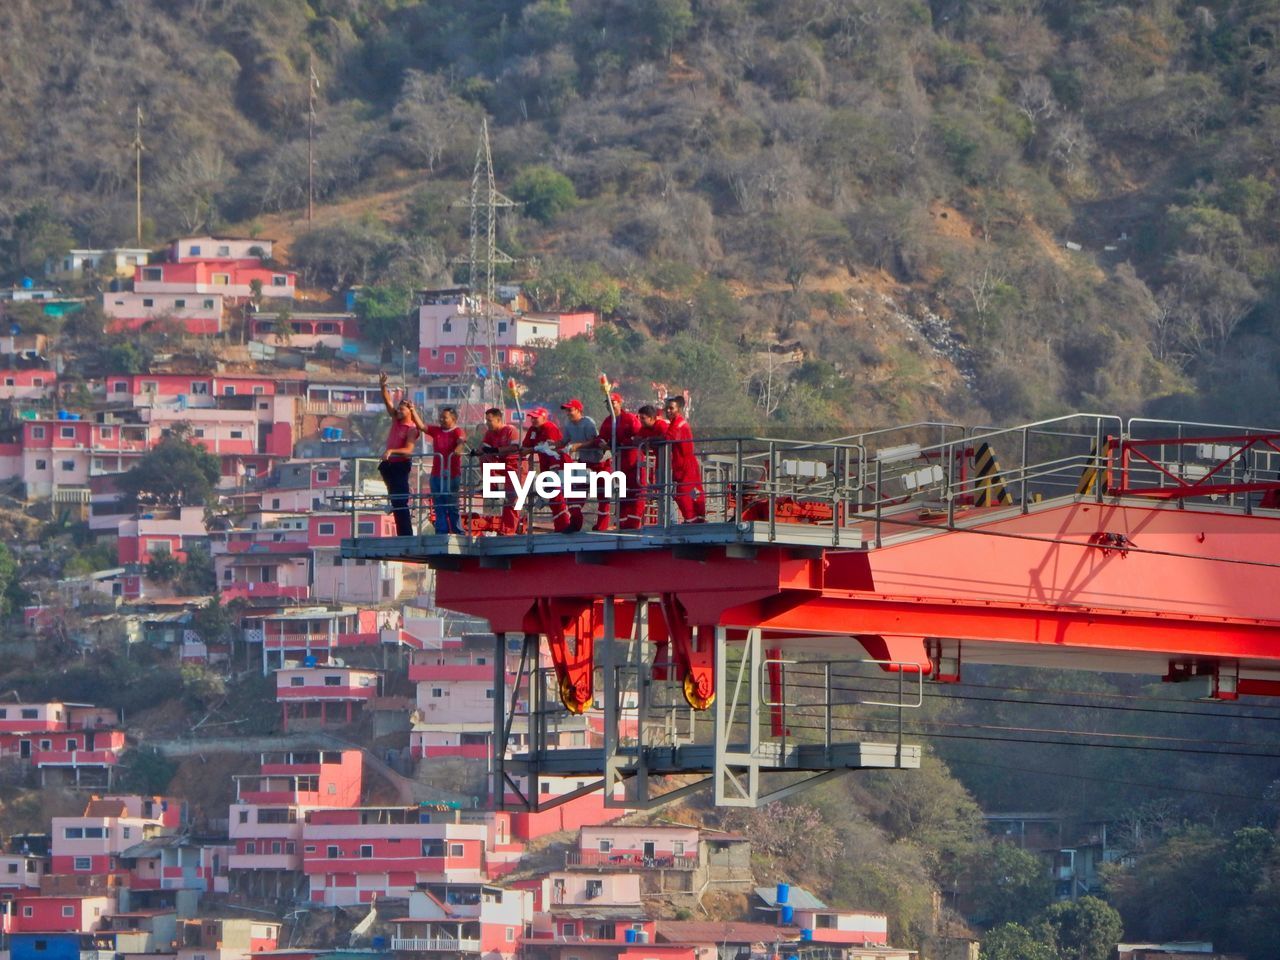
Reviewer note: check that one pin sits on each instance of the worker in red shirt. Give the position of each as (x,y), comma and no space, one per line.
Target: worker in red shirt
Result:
(619,434)
(686,472)
(501,444)
(652,453)
(542,438)
(397,461)
(446,470)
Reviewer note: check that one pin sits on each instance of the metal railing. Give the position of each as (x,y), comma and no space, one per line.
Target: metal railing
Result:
(435,944)
(884,484)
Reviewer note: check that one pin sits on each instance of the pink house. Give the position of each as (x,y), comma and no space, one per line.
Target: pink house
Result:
(75,737)
(186,249)
(21,872)
(59,914)
(59,453)
(442,332)
(324,695)
(230,278)
(311,631)
(225,938)
(141,538)
(829,925)
(266,821)
(350,856)
(306,331)
(645,846)
(197,314)
(27,384)
(593,910)
(196,389)
(173,862)
(469,921)
(268,563)
(91,843)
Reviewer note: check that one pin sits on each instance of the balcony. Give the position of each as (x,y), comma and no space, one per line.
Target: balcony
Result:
(442,945)
(594,859)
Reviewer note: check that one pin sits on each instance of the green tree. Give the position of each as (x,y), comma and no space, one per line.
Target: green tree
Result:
(147,771)
(1084,929)
(37,235)
(176,472)
(545,193)
(1008,884)
(10,588)
(385,317)
(665,23)
(1013,941)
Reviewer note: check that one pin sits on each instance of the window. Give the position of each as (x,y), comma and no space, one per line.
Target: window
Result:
(30,713)
(81,864)
(297,681)
(26,912)
(150,386)
(279,280)
(68,911)
(568,929)
(198,432)
(179,304)
(257,392)
(447,327)
(277,847)
(456,849)
(237,434)
(279,814)
(502,356)
(366,528)
(37,381)
(68,466)
(13,868)
(8,381)
(152,273)
(244,816)
(73,745)
(309,848)
(208,304)
(94,833)
(288,847)
(606,845)
(46,744)
(224,251)
(333,852)
(275,503)
(332,680)
(328,328)
(502,326)
(120,386)
(594,889)
(511,934)
(37,433)
(200,387)
(366,851)
(42,464)
(67,433)
(450,358)
(433,848)
(4,712)
(325,530)
(251,847)
(322,476)
(437,693)
(148,301)
(194,250)
(677,847)
(108,433)
(220,279)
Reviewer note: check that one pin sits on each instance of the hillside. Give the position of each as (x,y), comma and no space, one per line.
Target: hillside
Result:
(859,209)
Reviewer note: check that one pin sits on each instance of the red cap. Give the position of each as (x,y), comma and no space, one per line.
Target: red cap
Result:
(615,397)
(538,412)
(574,404)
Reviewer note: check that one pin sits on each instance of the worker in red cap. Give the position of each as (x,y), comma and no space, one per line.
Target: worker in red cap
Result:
(579,442)
(501,444)
(651,440)
(686,472)
(543,439)
(618,437)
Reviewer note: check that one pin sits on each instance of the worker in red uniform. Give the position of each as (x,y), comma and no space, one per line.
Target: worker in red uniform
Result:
(501,444)
(397,461)
(650,439)
(446,469)
(619,434)
(541,439)
(686,472)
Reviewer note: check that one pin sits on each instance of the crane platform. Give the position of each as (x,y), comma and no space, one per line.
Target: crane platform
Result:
(1082,542)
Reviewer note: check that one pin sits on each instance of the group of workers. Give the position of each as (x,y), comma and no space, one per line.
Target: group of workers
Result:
(625,441)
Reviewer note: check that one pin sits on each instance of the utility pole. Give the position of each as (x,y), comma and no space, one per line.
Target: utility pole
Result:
(312,85)
(137,173)
(480,350)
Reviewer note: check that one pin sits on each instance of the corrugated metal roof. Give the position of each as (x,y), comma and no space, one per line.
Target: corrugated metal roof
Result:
(799,897)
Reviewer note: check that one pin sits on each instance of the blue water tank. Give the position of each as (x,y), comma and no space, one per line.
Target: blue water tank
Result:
(326,433)
(62,414)
(379,943)
(308,661)
(27,283)
(337,433)
(787,914)
(806,934)
(784,893)
(629,936)
(73,416)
